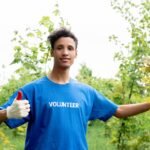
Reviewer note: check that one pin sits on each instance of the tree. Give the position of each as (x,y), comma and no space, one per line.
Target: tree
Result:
(130,73)
(31,50)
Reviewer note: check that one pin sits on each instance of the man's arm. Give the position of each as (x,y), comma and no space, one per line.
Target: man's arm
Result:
(128,110)
(3,116)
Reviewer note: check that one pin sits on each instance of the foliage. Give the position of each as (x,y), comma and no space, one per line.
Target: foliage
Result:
(32,50)
(10,141)
(111,88)
(3,138)
(31,55)
(131,61)
(96,137)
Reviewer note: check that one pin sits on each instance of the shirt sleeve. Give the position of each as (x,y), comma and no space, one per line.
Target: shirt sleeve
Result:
(13,123)
(103,108)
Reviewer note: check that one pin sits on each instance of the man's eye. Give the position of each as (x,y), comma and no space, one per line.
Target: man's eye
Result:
(70,48)
(59,48)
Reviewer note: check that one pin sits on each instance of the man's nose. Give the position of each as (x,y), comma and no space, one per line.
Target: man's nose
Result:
(65,51)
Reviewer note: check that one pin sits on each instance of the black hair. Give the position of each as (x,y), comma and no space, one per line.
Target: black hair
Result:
(62,32)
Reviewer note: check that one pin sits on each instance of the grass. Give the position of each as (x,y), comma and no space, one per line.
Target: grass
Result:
(96,137)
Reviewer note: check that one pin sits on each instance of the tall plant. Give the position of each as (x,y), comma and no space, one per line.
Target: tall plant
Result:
(131,60)
(31,50)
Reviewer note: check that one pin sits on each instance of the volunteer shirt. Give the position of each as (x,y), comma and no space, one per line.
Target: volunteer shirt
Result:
(59,114)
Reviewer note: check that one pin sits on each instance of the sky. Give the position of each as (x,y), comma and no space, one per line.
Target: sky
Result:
(91,21)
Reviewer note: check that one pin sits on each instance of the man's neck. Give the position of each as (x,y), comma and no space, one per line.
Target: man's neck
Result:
(60,76)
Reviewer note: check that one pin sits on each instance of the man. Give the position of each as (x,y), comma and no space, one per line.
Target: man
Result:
(57,108)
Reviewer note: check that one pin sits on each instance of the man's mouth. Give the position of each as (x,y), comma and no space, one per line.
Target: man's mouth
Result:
(64,59)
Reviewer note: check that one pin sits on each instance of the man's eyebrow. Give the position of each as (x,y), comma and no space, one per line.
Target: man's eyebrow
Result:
(69,45)
(59,45)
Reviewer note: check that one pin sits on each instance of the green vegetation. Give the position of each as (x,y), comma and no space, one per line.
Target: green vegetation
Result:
(97,137)
(12,139)
(131,85)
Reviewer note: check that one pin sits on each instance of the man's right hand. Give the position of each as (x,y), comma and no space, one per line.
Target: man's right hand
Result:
(18,109)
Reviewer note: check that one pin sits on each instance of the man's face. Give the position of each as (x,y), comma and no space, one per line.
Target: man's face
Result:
(64,52)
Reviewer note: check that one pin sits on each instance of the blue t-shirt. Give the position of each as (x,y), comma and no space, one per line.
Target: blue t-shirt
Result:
(59,114)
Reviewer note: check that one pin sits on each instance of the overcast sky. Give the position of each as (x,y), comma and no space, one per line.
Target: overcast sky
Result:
(92,21)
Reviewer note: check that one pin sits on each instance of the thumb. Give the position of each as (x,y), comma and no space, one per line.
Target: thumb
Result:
(19,95)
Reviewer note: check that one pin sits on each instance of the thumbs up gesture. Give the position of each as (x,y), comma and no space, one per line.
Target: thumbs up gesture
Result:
(19,108)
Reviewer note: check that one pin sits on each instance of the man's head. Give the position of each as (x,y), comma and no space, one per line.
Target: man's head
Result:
(62,32)
(63,48)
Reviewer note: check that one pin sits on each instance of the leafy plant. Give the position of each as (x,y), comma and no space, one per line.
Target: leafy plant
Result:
(131,61)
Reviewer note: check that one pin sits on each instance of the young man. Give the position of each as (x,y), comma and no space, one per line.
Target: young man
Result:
(57,108)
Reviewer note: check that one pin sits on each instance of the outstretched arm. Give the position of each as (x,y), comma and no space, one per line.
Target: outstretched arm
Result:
(128,110)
